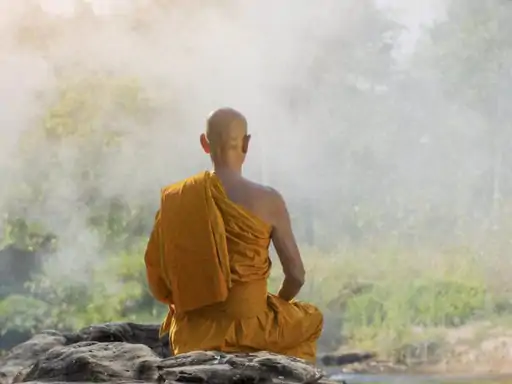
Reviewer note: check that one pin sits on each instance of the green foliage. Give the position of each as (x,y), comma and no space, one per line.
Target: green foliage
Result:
(369,299)
(81,115)
(386,316)
(381,299)
(87,113)
(426,303)
(114,290)
(471,50)
(26,235)
(86,105)
(24,313)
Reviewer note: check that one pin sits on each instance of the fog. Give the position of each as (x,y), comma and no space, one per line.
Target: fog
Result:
(343,117)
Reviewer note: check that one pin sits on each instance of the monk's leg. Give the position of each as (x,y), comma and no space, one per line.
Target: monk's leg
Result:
(285,328)
(297,327)
(312,329)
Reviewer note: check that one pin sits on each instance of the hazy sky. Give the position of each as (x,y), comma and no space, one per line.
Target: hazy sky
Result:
(299,81)
(411,13)
(414,15)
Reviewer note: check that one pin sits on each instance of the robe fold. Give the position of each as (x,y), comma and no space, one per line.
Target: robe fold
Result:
(207,259)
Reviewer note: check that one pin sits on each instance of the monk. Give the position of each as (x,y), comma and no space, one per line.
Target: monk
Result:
(208,257)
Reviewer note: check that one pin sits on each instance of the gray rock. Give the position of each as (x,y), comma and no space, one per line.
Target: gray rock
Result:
(23,356)
(133,353)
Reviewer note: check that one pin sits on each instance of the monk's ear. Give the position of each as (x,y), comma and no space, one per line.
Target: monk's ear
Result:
(204,143)
(245,143)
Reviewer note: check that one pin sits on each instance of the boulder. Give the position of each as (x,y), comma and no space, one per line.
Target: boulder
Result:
(133,353)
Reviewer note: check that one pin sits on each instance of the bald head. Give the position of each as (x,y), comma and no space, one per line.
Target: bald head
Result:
(226,129)
(226,135)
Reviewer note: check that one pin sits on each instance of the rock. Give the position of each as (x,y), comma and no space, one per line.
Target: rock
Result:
(26,354)
(132,333)
(129,353)
(338,359)
(420,353)
(96,362)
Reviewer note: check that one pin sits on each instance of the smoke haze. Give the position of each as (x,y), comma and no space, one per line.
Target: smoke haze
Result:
(334,123)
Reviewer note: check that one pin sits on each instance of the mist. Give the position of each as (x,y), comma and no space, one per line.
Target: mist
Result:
(342,119)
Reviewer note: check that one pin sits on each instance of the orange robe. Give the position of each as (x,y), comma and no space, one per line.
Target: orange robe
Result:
(207,259)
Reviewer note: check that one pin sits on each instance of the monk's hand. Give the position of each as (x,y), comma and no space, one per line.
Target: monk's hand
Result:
(290,288)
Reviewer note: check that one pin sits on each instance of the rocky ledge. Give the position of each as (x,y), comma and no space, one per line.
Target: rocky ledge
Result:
(133,353)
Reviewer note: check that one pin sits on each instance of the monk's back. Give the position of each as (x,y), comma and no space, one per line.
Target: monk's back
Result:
(251,196)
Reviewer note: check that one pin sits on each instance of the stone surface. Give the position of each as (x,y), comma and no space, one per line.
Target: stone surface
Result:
(130,353)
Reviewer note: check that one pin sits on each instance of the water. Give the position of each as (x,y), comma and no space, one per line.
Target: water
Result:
(356,378)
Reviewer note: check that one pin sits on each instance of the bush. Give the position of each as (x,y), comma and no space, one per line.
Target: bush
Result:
(114,290)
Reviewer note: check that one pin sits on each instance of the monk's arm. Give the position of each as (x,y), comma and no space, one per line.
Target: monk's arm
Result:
(156,282)
(287,249)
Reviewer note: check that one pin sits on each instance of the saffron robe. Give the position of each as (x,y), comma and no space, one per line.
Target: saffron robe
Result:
(208,260)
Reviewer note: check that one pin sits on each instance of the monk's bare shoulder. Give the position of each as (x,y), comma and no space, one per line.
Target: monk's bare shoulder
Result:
(276,205)
(262,191)
(269,200)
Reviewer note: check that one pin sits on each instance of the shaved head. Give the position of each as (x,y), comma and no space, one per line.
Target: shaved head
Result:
(226,128)
(226,135)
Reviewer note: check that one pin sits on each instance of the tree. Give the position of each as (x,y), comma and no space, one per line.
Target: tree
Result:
(469,55)
(347,80)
